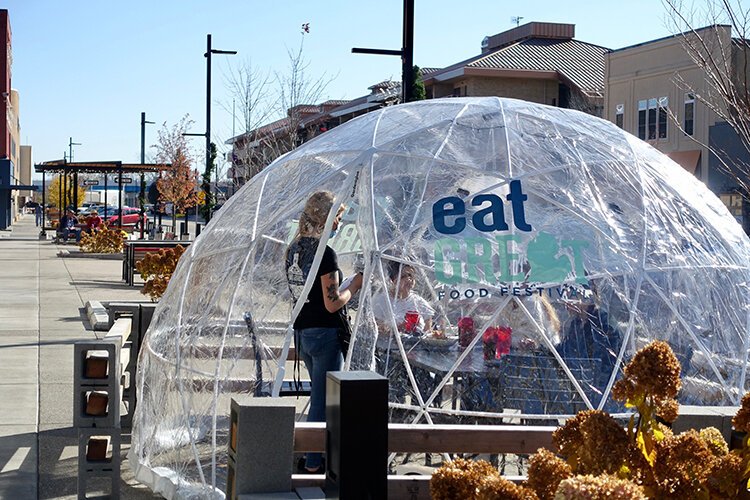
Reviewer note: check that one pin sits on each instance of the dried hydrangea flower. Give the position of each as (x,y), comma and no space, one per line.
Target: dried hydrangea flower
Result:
(546,470)
(741,420)
(568,438)
(593,443)
(460,479)
(682,465)
(498,488)
(715,441)
(654,370)
(725,477)
(668,410)
(598,488)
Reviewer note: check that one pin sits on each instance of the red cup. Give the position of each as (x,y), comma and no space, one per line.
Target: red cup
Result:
(466,331)
(503,341)
(411,320)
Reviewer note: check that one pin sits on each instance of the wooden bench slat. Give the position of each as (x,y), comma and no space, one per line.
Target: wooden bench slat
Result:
(420,438)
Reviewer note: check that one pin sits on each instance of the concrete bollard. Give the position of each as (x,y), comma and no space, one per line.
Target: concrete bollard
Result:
(261,446)
(356,435)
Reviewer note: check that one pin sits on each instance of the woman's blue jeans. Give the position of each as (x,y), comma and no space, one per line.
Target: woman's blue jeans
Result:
(320,349)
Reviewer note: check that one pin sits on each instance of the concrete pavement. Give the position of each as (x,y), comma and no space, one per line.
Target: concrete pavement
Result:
(42,297)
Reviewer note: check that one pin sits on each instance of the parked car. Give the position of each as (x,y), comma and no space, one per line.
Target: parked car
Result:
(130,216)
(111,210)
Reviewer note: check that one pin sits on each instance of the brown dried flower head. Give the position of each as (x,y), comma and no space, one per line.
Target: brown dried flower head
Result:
(725,477)
(715,441)
(546,470)
(682,464)
(598,488)
(593,442)
(654,370)
(460,479)
(498,488)
(568,438)
(741,420)
(668,410)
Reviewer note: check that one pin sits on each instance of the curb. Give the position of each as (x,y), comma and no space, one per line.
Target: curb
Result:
(97,315)
(67,254)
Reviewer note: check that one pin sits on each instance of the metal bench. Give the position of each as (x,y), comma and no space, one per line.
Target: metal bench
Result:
(134,252)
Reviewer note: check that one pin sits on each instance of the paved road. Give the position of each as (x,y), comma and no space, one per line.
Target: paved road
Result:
(41,302)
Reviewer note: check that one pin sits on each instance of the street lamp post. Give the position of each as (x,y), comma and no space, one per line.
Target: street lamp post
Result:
(75,173)
(143,160)
(406,53)
(207,55)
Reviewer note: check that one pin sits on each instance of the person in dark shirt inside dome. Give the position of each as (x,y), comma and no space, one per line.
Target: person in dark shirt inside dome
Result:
(322,322)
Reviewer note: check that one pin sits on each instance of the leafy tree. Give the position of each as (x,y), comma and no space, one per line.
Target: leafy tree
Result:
(418,92)
(179,181)
(53,196)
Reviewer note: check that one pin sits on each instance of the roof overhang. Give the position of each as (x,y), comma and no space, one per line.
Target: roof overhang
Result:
(687,159)
(97,167)
(492,73)
(353,109)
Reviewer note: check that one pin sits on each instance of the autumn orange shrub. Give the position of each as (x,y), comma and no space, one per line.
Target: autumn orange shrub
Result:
(156,269)
(103,240)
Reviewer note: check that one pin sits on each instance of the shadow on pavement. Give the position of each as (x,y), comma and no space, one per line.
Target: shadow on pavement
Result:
(55,453)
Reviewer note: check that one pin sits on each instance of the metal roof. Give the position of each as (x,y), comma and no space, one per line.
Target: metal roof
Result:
(579,62)
(97,167)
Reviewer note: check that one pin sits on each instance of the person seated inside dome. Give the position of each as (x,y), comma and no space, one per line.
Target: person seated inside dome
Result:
(413,316)
(590,343)
(404,302)
(525,315)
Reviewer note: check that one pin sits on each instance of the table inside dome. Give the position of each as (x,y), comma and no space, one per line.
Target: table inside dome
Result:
(532,382)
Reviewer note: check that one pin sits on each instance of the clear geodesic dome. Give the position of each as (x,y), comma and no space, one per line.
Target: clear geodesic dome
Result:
(514,255)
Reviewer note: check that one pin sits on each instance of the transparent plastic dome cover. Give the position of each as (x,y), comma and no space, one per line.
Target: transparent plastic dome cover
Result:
(539,247)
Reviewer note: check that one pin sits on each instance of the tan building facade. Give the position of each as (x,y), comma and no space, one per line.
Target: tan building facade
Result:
(537,62)
(651,92)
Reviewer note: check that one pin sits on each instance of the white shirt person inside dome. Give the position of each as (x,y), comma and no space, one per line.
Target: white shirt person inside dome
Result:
(404,302)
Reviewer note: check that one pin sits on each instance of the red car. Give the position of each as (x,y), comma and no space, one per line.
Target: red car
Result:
(130,217)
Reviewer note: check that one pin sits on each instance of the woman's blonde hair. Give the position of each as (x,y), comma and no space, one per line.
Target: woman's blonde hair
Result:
(312,220)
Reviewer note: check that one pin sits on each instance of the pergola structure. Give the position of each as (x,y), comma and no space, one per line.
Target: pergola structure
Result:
(72,169)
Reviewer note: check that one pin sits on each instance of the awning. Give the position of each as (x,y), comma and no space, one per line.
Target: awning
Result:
(689,160)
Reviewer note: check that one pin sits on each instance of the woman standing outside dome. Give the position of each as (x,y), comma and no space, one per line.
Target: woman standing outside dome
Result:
(322,326)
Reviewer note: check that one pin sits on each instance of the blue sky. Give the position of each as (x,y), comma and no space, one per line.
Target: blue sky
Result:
(87,68)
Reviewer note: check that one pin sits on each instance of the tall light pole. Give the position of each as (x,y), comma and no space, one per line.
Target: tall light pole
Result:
(143,160)
(406,53)
(207,55)
(75,173)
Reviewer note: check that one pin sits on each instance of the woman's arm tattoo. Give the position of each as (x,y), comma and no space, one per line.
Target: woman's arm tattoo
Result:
(333,294)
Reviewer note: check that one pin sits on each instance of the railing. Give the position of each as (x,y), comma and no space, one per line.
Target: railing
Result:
(409,438)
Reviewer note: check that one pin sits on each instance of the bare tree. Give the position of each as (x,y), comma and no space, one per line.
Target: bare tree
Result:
(296,91)
(715,36)
(250,89)
(289,96)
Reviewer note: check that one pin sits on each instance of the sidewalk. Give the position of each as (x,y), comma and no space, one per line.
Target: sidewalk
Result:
(42,297)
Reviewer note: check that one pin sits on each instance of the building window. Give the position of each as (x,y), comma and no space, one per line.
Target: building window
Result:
(733,202)
(619,115)
(652,118)
(689,113)
(642,109)
(663,106)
